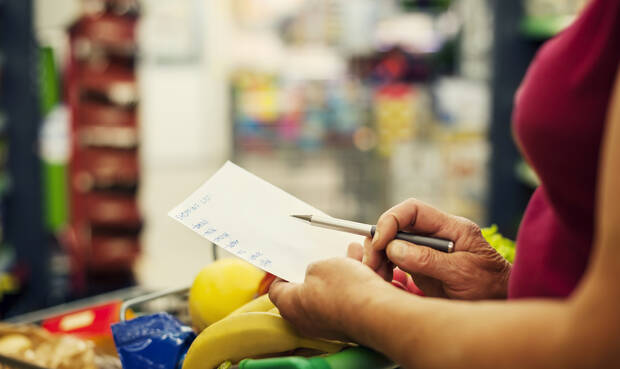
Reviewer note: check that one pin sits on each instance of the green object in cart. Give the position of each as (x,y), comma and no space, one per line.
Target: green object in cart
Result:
(353,358)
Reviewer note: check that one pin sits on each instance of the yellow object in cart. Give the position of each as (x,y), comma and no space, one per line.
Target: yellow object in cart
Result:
(261,303)
(220,288)
(247,335)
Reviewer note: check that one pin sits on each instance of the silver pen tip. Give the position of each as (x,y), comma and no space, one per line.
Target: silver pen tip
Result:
(306,218)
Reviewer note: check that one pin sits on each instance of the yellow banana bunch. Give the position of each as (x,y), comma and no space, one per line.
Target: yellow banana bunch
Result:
(248,334)
(274,311)
(261,303)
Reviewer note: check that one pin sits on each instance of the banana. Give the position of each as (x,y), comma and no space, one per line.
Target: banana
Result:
(261,303)
(248,335)
(274,311)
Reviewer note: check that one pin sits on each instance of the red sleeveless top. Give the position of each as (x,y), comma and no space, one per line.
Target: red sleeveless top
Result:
(559,118)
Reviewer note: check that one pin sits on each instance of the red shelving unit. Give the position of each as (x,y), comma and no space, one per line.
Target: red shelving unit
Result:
(104,171)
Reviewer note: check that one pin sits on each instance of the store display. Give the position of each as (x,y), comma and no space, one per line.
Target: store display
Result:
(397,105)
(9,284)
(104,167)
(352,105)
(545,18)
(20,236)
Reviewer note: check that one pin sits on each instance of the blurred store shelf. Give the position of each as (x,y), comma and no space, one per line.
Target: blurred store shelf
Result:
(526,174)
(543,27)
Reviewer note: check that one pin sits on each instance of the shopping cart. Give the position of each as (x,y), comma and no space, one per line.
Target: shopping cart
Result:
(352,358)
(37,317)
(174,301)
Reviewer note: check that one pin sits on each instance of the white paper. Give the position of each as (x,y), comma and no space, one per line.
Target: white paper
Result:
(250,218)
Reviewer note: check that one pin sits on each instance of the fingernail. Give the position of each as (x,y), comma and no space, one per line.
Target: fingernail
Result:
(365,256)
(375,238)
(397,250)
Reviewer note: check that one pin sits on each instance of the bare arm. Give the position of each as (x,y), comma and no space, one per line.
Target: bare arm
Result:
(343,297)
(583,331)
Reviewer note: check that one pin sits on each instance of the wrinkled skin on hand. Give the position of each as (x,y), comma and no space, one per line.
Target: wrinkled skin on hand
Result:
(474,271)
(329,296)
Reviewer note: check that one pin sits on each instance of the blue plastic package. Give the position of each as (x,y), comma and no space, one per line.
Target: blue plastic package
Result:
(157,341)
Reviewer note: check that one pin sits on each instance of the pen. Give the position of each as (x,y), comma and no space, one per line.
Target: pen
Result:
(369,231)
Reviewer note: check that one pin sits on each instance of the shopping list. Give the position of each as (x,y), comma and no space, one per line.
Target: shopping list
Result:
(250,218)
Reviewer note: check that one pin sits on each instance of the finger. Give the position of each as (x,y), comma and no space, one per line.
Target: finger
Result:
(416,259)
(279,290)
(385,270)
(412,216)
(373,258)
(286,297)
(431,287)
(355,251)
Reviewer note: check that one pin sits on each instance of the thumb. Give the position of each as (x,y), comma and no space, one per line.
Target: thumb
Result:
(416,259)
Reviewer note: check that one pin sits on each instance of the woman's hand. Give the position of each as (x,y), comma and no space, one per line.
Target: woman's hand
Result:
(330,297)
(474,271)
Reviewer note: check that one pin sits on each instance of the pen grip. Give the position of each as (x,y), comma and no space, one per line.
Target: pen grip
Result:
(438,244)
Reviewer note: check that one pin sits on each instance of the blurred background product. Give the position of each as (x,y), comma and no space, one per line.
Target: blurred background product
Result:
(114,110)
(102,94)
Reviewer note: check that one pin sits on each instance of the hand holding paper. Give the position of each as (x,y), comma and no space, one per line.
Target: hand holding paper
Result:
(250,218)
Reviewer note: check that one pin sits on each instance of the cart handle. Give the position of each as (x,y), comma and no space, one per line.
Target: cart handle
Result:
(149,297)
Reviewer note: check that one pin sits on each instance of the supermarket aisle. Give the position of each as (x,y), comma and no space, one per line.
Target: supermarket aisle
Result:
(172,256)
(185,130)
(182,146)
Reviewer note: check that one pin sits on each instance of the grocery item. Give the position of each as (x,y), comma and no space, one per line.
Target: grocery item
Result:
(152,341)
(91,323)
(14,344)
(351,358)
(503,245)
(261,303)
(274,311)
(248,335)
(265,283)
(35,345)
(220,288)
(404,281)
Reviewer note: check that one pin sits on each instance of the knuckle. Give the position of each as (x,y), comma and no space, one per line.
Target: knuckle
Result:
(412,201)
(383,218)
(274,296)
(287,313)
(424,258)
(474,228)
(274,292)
(367,245)
(313,269)
(470,227)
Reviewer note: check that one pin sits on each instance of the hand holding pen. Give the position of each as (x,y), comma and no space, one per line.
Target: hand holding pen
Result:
(473,271)
(368,230)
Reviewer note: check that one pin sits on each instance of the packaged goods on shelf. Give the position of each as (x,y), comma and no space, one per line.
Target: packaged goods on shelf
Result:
(412,131)
(104,166)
